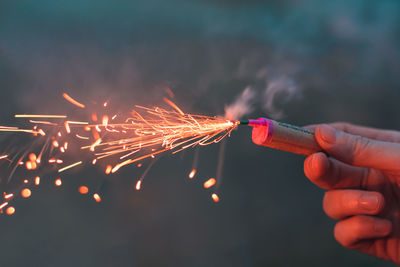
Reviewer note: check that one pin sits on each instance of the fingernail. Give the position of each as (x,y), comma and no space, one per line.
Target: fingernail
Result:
(328,133)
(368,202)
(382,227)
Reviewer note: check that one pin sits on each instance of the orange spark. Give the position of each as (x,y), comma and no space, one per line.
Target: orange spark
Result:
(108,169)
(37,180)
(3,156)
(40,116)
(215,197)
(62,149)
(26,181)
(32,157)
(173,105)
(8,196)
(10,210)
(105,120)
(140,165)
(209,183)
(67,128)
(94,117)
(3,205)
(55,143)
(138,185)
(70,166)
(58,182)
(83,189)
(192,173)
(96,197)
(73,101)
(26,193)
(29,165)
(97,142)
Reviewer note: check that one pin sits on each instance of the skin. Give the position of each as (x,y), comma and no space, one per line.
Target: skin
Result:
(360,170)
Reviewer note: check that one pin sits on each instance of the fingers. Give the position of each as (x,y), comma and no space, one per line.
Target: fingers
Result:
(329,173)
(339,204)
(357,150)
(351,231)
(371,133)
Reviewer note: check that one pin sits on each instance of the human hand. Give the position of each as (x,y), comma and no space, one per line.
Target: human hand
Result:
(362,176)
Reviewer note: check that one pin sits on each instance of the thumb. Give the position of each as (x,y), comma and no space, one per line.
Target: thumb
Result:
(357,150)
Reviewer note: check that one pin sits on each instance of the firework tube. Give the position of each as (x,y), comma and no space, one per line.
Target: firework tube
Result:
(283,136)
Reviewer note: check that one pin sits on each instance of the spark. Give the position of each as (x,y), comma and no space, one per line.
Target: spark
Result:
(43,122)
(3,156)
(10,210)
(55,143)
(209,183)
(192,173)
(37,180)
(70,166)
(32,157)
(8,196)
(83,189)
(78,122)
(73,101)
(215,197)
(172,104)
(58,182)
(26,193)
(108,169)
(82,137)
(138,185)
(67,128)
(40,116)
(96,197)
(3,205)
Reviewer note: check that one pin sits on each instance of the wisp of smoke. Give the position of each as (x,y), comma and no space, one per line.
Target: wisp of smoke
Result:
(283,88)
(242,105)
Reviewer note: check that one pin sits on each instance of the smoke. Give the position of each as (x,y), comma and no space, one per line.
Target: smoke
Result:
(282,89)
(242,105)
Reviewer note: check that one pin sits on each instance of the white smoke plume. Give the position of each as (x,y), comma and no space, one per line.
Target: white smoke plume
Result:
(242,106)
(281,89)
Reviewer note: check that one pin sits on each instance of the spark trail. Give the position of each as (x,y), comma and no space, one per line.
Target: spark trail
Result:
(109,140)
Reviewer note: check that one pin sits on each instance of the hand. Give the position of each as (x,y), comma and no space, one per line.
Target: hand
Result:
(362,176)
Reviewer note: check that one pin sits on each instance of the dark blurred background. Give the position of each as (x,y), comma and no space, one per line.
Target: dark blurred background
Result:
(335,61)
